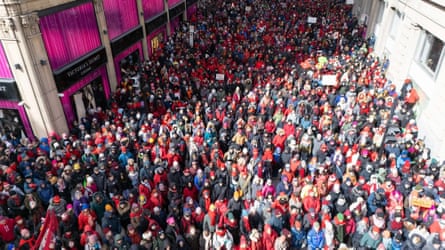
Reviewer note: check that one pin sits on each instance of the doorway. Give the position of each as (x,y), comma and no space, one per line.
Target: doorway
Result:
(89,98)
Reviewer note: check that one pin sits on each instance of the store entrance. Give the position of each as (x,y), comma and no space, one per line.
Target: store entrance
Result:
(89,97)
(129,62)
(11,125)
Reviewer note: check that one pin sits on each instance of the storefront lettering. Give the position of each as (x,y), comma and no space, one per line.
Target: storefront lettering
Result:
(9,91)
(85,67)
(70,74)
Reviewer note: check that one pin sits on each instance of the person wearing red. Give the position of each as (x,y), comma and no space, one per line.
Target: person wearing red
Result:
(279,139)
(7,229)
(269,237)
(350,226)
(312,201)
(86,218)
(27,240)
(187,220)
(88,231)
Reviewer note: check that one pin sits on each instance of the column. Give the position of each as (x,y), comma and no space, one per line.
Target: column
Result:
(28,60)
(168,18)
(144,31)
(103,32)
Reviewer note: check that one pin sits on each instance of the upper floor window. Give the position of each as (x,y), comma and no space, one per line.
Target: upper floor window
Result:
(430,52)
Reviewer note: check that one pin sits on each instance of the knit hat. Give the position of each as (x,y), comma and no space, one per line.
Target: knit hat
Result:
(170,220)
(56,199)
(85,206)
(340,217)
(108,208)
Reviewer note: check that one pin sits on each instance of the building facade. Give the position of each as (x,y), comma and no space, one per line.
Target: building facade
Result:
(60,58)
(411,34)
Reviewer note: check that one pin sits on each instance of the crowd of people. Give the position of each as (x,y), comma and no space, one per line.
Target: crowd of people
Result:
(268,130)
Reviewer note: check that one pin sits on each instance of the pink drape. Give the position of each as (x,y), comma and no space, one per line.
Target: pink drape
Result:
(191,11)
(70,34)
(174,23)
(172,3)
(121,16)
(5,70)
(152,8)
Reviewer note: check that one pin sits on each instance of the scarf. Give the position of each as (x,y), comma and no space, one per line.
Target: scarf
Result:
(212,216)
(246,223)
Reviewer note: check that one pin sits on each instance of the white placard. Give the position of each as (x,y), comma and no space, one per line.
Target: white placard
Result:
(311,19)
(219,77)
(350,2)
(248,8)
(329,80)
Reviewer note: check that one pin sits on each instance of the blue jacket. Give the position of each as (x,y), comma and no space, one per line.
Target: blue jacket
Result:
(396,245)
(315,239)
(298,237)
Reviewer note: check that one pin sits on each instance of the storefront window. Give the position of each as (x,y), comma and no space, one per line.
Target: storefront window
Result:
(89,97)
(128,63)
(11,125)
(430,51)
(155,42)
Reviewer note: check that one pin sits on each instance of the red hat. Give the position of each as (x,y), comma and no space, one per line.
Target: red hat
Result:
(212,173)
(234,172)
(17,218)
(56,199)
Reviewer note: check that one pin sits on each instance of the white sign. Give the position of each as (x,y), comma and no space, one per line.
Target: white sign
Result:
(329,80)
(248,8)
(351,2)
(311,19)
(219,77)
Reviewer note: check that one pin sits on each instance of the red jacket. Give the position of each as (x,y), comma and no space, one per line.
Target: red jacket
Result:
(7,230)
(269,239)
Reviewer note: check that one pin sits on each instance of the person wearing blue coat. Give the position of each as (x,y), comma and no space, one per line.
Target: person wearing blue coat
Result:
(315,237)
(45,192)
(298,236)
(376,200)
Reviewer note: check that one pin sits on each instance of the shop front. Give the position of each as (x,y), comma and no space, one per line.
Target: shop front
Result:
(176,16)
(83,86)
(156,32)
(192,8)
(77,58)
(14,122)
(125,34)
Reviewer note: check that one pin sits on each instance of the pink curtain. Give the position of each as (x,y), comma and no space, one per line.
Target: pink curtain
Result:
(121,16)
(152,8)
(5,70)
(191,11)
(70,34)
(172,3)
(174,23)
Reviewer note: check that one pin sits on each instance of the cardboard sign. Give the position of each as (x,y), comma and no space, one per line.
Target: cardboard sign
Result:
(219,77)
(422,202)
(311,19)
(329,80)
